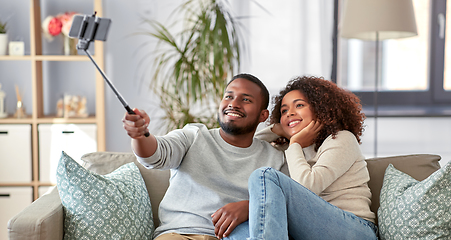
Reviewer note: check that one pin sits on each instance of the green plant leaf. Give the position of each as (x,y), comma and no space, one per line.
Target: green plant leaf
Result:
(191,71)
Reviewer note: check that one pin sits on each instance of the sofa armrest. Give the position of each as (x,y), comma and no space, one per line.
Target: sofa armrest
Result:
(43,219)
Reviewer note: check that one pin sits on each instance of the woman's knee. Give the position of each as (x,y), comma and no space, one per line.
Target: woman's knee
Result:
(262,174)
(259,173)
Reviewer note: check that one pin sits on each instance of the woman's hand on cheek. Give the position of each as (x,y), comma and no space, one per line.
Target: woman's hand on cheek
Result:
(307,135)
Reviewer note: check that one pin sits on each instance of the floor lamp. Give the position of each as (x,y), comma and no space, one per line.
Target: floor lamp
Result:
(377,20)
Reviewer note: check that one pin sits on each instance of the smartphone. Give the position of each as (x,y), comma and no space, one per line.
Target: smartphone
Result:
(78,23)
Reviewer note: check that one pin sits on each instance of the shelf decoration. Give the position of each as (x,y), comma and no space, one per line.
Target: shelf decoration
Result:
(60,24)
(72,106)
(16,48)
(20,110)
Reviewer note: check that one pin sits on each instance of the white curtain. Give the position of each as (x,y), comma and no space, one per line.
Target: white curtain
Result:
(286,38)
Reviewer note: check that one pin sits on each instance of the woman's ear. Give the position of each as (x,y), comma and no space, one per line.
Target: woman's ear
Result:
(264,114)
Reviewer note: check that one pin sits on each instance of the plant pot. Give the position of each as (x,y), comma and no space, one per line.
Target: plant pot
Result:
(3,43)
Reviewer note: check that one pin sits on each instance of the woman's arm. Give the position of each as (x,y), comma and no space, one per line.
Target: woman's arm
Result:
(334,157)
(267,134)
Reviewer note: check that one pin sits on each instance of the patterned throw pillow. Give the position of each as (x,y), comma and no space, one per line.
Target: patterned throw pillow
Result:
(410,209)
(113,206)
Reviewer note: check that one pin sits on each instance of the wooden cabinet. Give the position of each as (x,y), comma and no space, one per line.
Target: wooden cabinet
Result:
(74,139)
(15,151)
(12,201)
(41,65)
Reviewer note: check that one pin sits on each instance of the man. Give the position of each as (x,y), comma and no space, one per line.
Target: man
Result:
(207,195)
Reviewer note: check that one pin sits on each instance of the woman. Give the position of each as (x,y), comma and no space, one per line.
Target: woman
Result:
(327,196)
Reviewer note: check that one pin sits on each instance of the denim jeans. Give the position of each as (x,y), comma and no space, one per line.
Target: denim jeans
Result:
(241,232)
(280,207)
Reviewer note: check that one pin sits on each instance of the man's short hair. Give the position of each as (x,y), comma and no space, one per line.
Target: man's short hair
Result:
(263,90)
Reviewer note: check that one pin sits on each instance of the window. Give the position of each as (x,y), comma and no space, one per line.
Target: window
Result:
(286,40)
(412,71)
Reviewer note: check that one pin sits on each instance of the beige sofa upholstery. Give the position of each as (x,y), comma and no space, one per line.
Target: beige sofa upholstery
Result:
(43,219)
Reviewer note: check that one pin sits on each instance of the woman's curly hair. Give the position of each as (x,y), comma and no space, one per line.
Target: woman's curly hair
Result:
(336,108)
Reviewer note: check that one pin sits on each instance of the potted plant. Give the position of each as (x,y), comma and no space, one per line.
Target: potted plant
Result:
(3,38)
(192,67)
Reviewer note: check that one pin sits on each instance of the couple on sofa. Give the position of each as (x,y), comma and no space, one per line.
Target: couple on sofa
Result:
(227,184)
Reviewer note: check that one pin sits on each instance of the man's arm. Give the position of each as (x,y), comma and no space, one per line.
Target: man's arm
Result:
(228,217)
(136,127)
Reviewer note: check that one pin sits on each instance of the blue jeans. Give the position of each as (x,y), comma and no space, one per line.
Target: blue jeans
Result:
(280,207)
(241,232)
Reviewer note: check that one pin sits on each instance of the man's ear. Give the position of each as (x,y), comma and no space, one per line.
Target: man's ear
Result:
(264,114)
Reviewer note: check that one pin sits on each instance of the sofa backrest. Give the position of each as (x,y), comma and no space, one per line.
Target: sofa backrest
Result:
(419,166)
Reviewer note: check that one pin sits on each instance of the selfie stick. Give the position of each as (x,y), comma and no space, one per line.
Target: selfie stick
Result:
(83,44)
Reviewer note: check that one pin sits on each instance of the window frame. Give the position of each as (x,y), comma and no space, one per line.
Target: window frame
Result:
(435,96)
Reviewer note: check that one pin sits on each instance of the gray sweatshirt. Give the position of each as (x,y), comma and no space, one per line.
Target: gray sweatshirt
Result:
(206,174)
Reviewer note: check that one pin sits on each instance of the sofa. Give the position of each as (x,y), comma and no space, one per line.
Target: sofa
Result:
(44,218)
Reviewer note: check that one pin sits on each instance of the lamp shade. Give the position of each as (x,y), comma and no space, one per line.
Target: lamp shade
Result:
(362,19)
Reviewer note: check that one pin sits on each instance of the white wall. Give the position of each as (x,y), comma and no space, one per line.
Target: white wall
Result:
(396,135)
(122,58)
(404,135)
(127,63)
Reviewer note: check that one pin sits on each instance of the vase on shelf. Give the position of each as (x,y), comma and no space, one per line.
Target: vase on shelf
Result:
(3,43)
(69,46)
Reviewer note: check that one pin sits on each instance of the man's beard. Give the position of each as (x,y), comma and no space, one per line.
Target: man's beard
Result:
(232,129)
